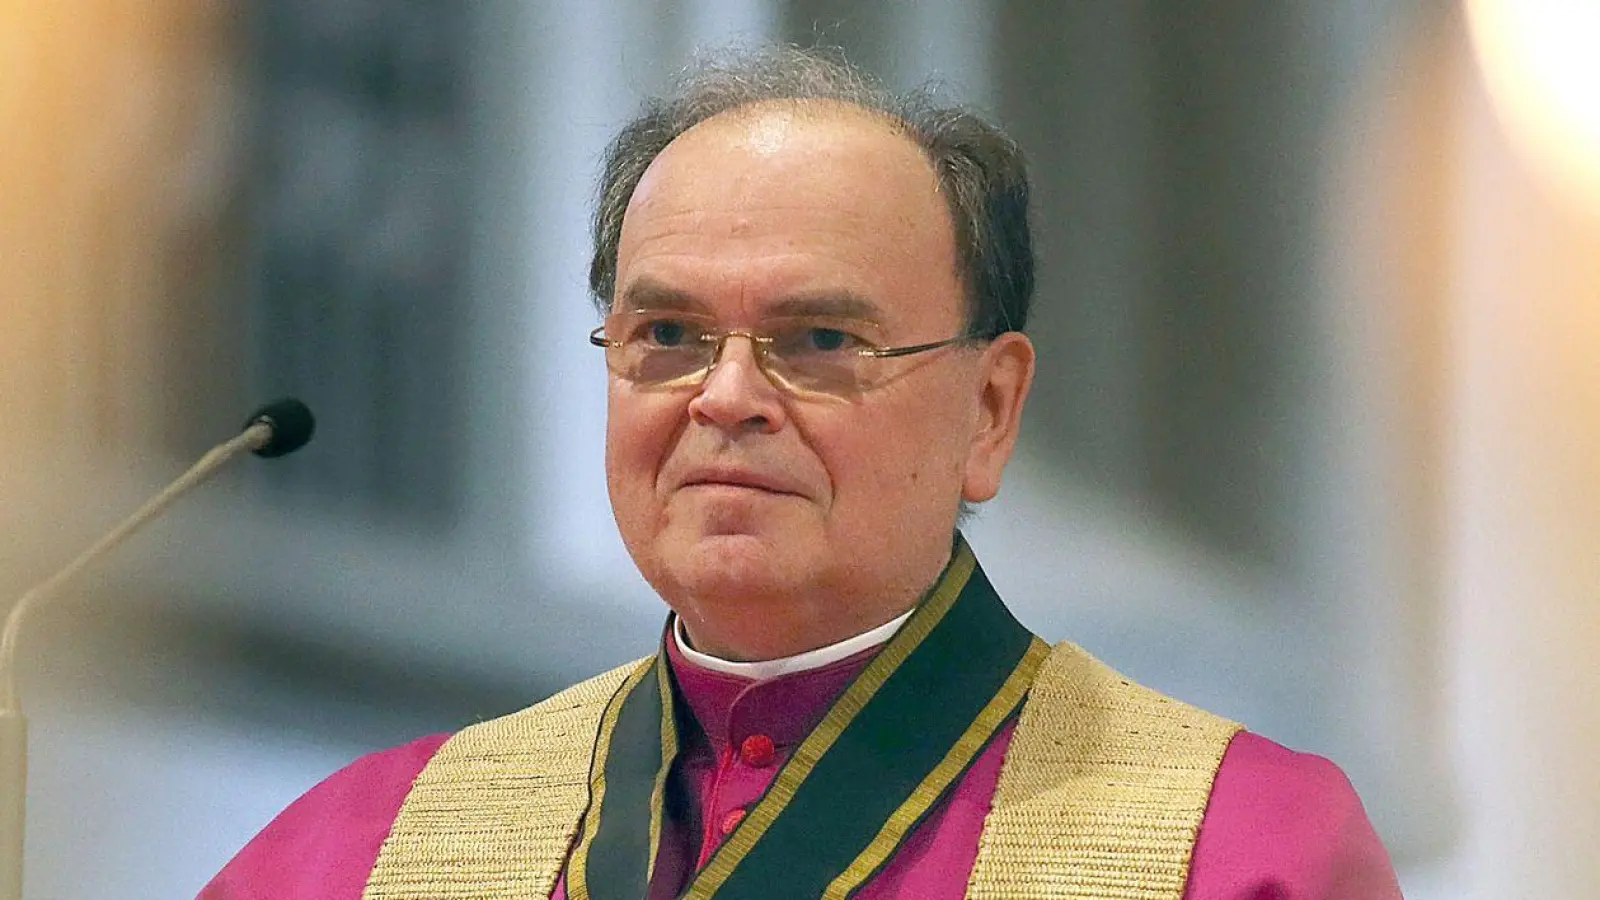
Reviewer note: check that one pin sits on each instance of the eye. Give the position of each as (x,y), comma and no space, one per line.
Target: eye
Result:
(664,333)
(667,333)
(819,339)
(829,340)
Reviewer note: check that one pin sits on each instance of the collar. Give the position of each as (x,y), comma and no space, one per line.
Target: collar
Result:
(764,670)
(729,708)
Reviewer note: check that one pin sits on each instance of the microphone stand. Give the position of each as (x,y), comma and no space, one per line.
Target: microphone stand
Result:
(260,436)
(14,778)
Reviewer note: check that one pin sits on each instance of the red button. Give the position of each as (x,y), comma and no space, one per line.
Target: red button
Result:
(757,750)
(731,820)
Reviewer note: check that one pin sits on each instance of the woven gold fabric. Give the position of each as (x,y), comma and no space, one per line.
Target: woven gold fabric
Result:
(1101,796)
(493,813)
(1102,792)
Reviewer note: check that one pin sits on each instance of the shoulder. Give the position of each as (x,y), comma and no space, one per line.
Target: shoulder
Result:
(371,778)
(1103,785)
(1276,784)
(1271,822)
(564,717)
(1086,694)
(324,843)
(1288,820)
(589,692)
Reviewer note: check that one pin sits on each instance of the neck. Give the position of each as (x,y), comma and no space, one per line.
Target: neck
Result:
(757,621)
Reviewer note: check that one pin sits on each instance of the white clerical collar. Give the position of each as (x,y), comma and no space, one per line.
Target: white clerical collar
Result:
(772,668)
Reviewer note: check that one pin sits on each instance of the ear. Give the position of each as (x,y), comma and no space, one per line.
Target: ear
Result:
(1005,374)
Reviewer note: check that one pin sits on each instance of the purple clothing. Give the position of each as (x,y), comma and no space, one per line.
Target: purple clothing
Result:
(324,845)
(722,778)
(1279,824)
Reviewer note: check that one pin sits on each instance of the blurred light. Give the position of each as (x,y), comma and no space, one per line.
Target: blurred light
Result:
(1541,64)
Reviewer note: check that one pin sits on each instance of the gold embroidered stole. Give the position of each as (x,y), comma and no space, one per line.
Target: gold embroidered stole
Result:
(1102,792)
(492,814)
(1101,795)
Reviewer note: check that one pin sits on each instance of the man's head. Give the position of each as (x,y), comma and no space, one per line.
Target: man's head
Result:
(777,518)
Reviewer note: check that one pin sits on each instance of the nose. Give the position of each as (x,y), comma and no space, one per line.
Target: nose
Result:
(737,396)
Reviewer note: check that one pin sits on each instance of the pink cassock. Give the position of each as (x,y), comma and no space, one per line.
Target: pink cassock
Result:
(1280,825)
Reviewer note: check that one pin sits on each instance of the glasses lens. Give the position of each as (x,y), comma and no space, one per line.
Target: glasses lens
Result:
(820,356)
(656,348)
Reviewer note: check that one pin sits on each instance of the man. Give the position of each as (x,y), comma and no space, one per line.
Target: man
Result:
(814,296)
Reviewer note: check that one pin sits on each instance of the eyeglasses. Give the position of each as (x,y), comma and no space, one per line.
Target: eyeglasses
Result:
(808,356)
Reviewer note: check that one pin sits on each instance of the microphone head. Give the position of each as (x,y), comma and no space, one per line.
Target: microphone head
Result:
(291,423)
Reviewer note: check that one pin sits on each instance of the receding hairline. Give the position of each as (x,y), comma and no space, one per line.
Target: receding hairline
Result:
(816,108)
(809,110)
(819,110)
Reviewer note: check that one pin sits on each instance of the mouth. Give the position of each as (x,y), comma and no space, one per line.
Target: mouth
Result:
(752,481)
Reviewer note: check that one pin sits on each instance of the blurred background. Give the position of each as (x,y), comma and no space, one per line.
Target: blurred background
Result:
(1315,442)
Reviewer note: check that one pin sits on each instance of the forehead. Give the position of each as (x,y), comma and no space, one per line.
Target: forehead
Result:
(776,202)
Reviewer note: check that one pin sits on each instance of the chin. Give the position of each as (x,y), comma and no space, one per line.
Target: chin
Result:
(722,568)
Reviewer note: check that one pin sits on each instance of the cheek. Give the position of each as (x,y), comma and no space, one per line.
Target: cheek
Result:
(639,429)
(907,455)
(939,428)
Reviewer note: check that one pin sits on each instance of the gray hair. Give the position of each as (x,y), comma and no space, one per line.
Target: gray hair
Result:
(981,171)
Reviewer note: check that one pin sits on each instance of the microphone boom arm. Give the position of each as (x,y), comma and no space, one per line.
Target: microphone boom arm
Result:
(252,438)
(275,430)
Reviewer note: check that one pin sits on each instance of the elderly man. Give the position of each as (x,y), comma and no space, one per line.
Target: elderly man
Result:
(814,296)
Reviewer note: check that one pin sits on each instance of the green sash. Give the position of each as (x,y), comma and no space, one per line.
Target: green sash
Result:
(856,786)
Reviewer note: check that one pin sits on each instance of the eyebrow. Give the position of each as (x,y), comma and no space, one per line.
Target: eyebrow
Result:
(648,293)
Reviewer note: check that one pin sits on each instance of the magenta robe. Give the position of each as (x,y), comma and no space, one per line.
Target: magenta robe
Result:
(1279,824)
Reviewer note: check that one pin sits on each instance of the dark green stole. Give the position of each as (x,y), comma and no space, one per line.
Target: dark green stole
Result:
(888,749)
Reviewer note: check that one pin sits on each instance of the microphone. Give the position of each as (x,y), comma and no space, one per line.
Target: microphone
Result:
(279,428)
(291,427)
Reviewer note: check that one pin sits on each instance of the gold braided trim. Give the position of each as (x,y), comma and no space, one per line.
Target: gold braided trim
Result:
(493,814)
(577,874)
(669,752)
(955,762)
(1102,791)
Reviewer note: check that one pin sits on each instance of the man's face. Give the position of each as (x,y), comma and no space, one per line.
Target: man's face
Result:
(773,523)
